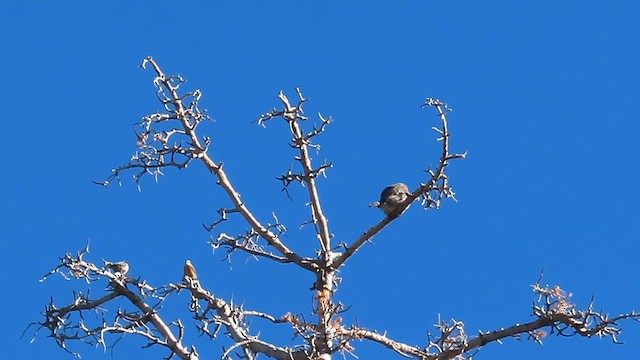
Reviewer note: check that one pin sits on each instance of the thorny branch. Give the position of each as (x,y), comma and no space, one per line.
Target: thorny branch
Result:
(293,114)
(325,276)
(432,192)
(553,311)
(248,243)
(213,313)
(182,118)
(70,322)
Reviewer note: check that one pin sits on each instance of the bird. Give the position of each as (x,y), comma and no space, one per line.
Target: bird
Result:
(120,267)
(391,197)
(190,271)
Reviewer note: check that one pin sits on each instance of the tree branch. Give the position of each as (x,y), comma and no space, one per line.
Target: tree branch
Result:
(155,151)
(232,318)
(293,115)
(556,312)
(63,325)
(431,192)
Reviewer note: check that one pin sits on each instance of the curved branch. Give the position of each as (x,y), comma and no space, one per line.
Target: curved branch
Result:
(437,183)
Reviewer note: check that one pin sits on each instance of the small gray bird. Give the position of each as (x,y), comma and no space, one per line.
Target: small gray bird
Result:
(391,197)
(120,267)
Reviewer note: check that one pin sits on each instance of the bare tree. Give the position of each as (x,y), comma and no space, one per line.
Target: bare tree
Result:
(171,140)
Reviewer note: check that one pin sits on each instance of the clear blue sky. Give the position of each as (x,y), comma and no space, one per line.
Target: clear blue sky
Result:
(545,101)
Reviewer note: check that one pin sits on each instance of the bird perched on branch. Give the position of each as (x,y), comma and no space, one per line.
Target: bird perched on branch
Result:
(190,270)
(119,268)
(391,197)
